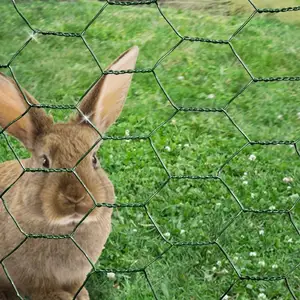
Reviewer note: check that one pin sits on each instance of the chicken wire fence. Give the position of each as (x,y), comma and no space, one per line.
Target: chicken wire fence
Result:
(144,206)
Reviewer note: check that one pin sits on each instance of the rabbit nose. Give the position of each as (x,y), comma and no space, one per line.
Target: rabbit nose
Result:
(74,200)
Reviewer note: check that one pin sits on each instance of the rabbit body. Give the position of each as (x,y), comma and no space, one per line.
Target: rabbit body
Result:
(43,265)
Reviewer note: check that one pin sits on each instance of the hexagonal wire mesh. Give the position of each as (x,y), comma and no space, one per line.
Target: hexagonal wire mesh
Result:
(242,210)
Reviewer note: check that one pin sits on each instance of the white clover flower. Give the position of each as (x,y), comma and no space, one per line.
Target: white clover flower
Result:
(262,296)
(111,276)
(294,196)
(252,157)
(252,254)
(167,234)
(245,173)
(252,195)
(249,286)
(290,241)
(235,258)
(186,145)
(226,297)
(214,269)
(180,77)
(168,148)
(173,121)
(245,182)
(208,277)
(261,232)
(219,263)
(211,96)
(274,266)
(218,204)
(272,207)
(280,117)
(127,132)
(134,230)
(287,179)
(262,263)
(182,231)
(298,115)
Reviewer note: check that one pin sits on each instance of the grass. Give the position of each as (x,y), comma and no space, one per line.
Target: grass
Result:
(58,70)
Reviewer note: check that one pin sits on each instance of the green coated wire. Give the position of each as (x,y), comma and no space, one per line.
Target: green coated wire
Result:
(168,174)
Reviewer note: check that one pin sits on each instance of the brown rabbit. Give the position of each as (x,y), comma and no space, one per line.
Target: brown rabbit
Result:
(55,202)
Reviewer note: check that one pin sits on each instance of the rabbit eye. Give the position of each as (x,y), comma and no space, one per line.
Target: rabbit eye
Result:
(46,163)
(95,161)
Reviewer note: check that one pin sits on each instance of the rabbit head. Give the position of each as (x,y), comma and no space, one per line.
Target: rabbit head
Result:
(65,197)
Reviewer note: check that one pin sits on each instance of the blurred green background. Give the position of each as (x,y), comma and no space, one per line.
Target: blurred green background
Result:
(262,180)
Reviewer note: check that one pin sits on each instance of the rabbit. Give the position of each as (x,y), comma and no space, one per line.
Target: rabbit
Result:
(55,202)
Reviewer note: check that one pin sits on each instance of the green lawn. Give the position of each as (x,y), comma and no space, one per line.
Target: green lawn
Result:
(189,213)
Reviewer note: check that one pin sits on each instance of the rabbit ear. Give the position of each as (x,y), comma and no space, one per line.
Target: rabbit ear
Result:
(13,105)
(104,102)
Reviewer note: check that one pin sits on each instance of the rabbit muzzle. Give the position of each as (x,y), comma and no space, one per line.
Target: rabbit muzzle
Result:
(74,200)
(80,205)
